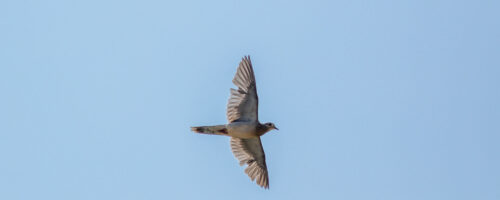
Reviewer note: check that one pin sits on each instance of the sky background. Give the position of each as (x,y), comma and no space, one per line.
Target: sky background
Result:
(384,100)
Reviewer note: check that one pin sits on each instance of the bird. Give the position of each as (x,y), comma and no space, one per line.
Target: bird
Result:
(243,125)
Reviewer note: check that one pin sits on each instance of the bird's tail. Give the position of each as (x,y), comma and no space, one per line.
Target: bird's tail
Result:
(214,130)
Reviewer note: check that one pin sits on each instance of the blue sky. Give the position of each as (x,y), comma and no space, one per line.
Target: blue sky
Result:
(374,99)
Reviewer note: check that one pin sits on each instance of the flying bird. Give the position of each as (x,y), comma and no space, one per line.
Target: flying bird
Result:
(243,125)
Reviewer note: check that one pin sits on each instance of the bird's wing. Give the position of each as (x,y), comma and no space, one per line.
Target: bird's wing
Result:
(243,103)
(250,152)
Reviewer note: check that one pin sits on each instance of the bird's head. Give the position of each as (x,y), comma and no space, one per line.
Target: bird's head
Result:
(270,126)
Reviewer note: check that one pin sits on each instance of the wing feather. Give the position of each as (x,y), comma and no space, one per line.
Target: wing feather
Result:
(250,152)
(243,103)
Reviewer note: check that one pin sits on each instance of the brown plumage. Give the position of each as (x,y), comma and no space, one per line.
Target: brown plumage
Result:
(244,127)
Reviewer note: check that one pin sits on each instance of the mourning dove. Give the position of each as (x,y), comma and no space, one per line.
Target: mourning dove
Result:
(243,125)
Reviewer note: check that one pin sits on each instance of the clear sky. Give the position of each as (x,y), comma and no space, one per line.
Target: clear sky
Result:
(384,100)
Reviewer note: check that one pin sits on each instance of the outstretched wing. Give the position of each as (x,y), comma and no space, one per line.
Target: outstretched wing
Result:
(243,103)
(250,152)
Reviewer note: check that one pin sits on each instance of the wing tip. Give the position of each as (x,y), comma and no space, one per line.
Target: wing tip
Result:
(264,181)
(258,174)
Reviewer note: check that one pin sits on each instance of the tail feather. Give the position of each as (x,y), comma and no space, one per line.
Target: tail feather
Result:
(213,130)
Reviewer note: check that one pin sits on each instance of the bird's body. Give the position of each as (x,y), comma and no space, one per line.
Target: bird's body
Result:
(247,130)
(244,130)
(244,127)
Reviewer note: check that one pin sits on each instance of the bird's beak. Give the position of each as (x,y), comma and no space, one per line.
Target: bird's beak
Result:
(276,128)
